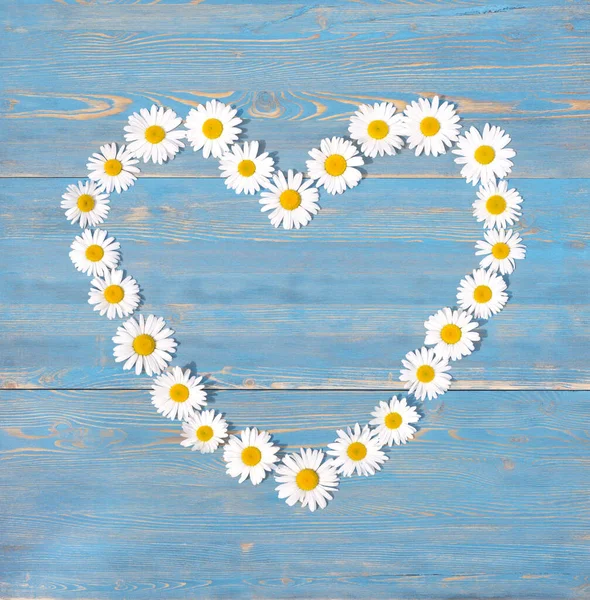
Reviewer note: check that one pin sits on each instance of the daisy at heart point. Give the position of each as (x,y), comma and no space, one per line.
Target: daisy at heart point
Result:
(309,477)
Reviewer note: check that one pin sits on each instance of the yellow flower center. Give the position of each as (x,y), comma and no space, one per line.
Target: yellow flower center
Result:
(500,250)
(251,456)
(179,392)
(113,167)
(393,420)
(114,294)
(307,480)
(94,253)
(290,199)
(496,205)
(378,129)
(335,165)
(155,134)
(144,344)
(85,203)
(204,433)
(429,126)
(246,168)
(425,373)
(484,155)
(356,451)
(212,128)
(450,334)
(482,294)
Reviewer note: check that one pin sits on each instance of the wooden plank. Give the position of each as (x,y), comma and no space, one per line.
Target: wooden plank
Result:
(490,500)
(335,305)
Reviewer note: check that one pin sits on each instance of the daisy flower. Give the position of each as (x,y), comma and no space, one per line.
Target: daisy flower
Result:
(393,421)
(425,374)
(154,135)
(306,478)
(482,294)
(113,169)
(377,129)
(146,344)
(484,155)
(496,205)
(204,431)
(177,394)
(114,295)
(251,455)
(430,127)
(291,200)
(84,203)
(93,253)
(333,165)
(500,249)
(357,450)
(244,169)
(451,333)
(213,127)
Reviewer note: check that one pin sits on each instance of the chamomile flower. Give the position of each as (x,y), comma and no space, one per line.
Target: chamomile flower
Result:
(204,431)
(94,253)
(86,204)
(212,128)
(306,478)
(452,334)
(154,135)
(484,155)
(333,165)
(291,200)
(145,344)
(113,169)
(377,129)
(425,374)
(500,249)
(114,294)
(431,127)
(482,294)
(244,169)
(357,451)
(177,394)
(251,454)
(393,421)
(496,205)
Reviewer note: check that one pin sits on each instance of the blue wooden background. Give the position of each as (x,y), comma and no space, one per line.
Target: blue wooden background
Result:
(298,332)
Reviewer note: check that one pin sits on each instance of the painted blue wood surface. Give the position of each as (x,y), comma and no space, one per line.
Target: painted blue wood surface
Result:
(298,332)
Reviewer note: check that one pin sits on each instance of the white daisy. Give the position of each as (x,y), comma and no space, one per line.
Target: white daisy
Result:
(306,478)
(84,203)
(484,155)
(114,294)
(153,134)
(425,374)
(451,333)
(482,294)
(113,169)
(244,169)
(333,165)
(431,128)
(377,129)
(496,205)
(147,344)
(204,431)
(213,127)
(291,200)
(393,421)
(251,455)
(177,394)
(500,249)
(357,450)
(93,253)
